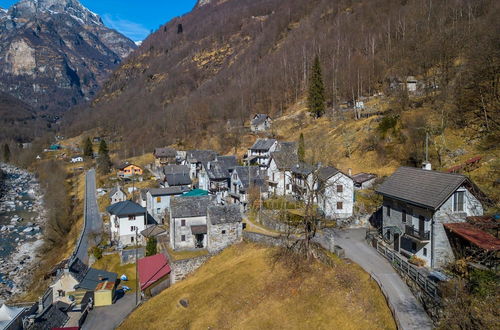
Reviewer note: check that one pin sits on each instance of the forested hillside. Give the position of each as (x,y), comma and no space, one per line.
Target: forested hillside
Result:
(240,57)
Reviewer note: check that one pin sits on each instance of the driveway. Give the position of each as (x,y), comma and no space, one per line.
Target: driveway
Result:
(109,317)
(93,220)
(408,311)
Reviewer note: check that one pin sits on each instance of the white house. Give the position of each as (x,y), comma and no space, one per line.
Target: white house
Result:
(336,193)
(260,152)
(158,200)
(78,159)
(279,175)
(188,222)
(416,205)
(260,123)
(223,226)
(244,178)
(127,220)
(117,195)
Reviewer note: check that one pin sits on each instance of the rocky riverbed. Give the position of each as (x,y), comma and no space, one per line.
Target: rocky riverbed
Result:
(22,218)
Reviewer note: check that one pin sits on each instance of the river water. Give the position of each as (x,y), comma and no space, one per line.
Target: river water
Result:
(21,221)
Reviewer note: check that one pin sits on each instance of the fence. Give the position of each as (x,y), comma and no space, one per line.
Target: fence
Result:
(406,268)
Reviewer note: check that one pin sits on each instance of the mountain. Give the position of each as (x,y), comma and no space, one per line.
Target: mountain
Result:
(55,54)
(227,60)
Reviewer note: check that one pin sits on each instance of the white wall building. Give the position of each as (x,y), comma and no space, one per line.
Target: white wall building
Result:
(127,220)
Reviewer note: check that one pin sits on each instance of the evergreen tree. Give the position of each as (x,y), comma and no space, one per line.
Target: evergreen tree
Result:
(87,148)
(6,153)
(151,247)
(301,150)
(104,161)
(316,96)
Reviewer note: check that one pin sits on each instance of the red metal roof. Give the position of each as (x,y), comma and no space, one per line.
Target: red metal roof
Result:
(474,235)
(151,269)
(473,160)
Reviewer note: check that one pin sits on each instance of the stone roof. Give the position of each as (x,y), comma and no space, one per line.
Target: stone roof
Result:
(95,276)
(216,171)
(284,146)
(284,160)
(219,214)
(125,208)
(178,179)
(174,168)
(181,206)
(53,317)
(259,119)
(198,156)
(78,269)
(326,172)
(263,144)
(165,152)
(429,189)
(363,177)
(153,231)
(229,162)
(302,169)
(176,190)
(257,176)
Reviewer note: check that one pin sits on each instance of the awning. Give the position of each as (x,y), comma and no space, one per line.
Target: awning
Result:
(201,229)
(474,235)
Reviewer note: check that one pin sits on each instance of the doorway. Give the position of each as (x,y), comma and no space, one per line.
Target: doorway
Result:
(396,242)
(199,241)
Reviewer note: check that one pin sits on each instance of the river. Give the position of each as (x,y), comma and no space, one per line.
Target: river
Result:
(21,222)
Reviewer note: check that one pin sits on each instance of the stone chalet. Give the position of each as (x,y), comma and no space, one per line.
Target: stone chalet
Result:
(188,222)
(117,195)
(244,178)
(260,123)
(194,159)
(363,180)
(176,175)
(164,156)
(224,226)
(260,152)
(417,203)
(127,219)
(279,170)
(215,176)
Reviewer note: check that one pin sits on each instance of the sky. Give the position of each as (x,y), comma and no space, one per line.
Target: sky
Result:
(133,18)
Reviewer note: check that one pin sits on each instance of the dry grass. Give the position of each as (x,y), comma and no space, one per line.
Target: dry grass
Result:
(181,255)
(243,289)
(111,263)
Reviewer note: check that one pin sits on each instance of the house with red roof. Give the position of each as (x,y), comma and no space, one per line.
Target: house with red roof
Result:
(154,274)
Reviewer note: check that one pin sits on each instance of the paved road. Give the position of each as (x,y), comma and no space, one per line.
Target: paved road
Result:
(93,220)
(109,317)
(408,310)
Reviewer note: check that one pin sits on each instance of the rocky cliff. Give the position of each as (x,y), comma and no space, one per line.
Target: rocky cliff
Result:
(55,54)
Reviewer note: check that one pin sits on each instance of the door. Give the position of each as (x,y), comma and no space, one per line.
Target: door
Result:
(199,241)
(396,242)
(421,226)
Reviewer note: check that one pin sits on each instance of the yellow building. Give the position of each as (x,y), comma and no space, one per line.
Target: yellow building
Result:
(104,293)
(128,170)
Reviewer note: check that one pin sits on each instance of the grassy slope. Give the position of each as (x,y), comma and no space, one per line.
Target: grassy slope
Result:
(243,289)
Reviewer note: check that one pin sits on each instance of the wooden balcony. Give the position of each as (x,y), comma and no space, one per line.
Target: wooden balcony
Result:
(418,234)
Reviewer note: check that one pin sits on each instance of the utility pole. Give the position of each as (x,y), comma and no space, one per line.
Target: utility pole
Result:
(136,270)
(426,146)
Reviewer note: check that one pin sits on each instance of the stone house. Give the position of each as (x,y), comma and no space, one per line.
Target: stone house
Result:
(279,175)
(158,200)
(335,193)
(417,203)
(188,222)
(127,220)
(260,123)
(164,156)
(224,226)
(215,176)
(195,158)
(363,180)
(117,195)
(260,152)
(242,180)
(176,175)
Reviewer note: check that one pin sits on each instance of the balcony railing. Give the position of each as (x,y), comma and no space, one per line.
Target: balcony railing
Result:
(419,234)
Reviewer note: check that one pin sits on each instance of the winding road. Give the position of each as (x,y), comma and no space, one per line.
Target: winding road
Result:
(93,221)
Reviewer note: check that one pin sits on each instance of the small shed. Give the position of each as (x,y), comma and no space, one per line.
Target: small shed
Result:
(154,274)
(104,293)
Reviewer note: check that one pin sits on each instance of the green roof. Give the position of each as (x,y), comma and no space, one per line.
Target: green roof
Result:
(196,192)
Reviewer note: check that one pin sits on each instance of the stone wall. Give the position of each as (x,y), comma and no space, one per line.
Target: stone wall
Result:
(263,239)
(182,268)
(222,235)
(268,219)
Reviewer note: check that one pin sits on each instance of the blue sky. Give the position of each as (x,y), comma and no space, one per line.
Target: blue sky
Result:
(135,19)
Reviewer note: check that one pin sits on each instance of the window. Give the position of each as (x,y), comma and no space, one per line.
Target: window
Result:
(131,217)
(340,205)
(223,232)
(458,201)
(388,210)
(183,223)
(340,188)
(132,239)
(61,293)
(425,252)
(158,199)
(413,247)
(183,238)
(403,216)
(132,228)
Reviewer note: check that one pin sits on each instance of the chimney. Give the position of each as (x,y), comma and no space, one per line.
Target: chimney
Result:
(350,172)
(100,278)
(427,166)
(40,305)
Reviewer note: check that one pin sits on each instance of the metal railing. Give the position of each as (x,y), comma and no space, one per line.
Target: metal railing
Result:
(419,234)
